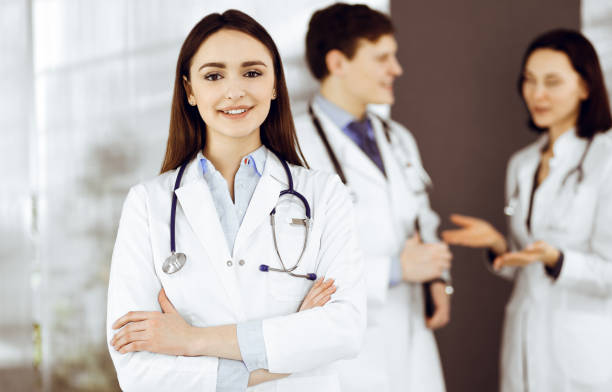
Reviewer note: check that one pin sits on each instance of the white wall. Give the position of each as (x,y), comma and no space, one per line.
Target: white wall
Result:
(597,26)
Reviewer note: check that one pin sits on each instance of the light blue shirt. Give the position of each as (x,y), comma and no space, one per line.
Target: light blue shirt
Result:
(234,375)
(341,118)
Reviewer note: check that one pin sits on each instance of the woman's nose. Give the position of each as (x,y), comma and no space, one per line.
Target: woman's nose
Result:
(234,90)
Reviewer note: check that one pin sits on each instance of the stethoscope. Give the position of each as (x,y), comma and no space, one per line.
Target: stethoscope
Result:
(511,205)
(177,260)
(336,163)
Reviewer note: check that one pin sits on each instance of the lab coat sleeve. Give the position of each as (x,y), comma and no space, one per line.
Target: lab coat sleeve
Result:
(377,279)
(319,336)
(429,220)
(134,286)
(591,272)
(507,272)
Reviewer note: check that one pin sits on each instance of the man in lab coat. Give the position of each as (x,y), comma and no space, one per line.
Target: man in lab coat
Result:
(351,51)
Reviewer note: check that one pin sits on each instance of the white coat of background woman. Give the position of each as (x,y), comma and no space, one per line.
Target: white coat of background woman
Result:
(558,324)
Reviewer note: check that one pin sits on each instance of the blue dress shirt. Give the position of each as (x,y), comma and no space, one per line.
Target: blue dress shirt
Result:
(234,375)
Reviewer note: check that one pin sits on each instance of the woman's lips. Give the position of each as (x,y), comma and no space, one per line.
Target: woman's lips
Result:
(235,113)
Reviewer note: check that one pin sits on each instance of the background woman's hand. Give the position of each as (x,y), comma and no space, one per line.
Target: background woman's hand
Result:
(538,251)
(319,294)
(164,332)
(474,233)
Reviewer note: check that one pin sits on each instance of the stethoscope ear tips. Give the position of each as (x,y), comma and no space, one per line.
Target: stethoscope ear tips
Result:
(264,268)
(311,276)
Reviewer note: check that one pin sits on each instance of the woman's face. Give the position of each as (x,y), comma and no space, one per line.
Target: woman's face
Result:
(231,80)
(552,89)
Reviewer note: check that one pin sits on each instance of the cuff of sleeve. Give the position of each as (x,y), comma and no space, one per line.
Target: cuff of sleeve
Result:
(232,376)
(491,256)
(395,273)
(252,345)
(555,271)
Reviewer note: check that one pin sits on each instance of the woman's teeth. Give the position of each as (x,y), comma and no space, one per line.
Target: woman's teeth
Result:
(236,111)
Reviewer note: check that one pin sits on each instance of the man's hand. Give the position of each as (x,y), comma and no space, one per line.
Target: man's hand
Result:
(424,262)
(442,303)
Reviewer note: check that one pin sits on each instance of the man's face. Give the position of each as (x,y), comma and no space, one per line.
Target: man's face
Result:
(369,75)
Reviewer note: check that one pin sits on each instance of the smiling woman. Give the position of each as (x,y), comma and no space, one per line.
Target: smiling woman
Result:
(232,308)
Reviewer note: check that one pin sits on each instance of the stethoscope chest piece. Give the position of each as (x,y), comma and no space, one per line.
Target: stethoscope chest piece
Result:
(174,262)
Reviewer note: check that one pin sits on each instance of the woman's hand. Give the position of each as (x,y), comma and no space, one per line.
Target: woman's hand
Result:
(475,233)
(319,294)
(163,332)
(538,251)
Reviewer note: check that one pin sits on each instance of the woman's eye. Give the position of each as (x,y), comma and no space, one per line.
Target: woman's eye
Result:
(252,74)
(552,83)
(212,77)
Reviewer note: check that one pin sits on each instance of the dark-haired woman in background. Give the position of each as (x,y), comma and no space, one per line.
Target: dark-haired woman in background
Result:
(216,307)
(558,325)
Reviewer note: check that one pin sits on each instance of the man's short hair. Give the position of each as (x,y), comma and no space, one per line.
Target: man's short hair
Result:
(341,26)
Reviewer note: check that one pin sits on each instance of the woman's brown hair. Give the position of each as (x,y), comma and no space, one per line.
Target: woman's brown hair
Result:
(187,133)
(594,116)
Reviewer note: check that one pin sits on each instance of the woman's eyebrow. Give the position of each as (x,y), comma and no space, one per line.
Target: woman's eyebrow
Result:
(214,65)
(222,65)
(252,63)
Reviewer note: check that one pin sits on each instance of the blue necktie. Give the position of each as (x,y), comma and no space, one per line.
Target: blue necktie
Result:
(362,134)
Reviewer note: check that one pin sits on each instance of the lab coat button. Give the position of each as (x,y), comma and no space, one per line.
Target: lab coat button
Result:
(229,263)
(241,262)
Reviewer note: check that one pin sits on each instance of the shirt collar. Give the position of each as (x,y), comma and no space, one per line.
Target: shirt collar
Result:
(567,143)
(340,117)
(255,160)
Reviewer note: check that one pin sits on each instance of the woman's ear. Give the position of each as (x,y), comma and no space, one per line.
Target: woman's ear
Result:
(584,90)
(188,91)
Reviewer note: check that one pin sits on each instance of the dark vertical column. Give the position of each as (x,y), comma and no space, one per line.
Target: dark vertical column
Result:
(458,96)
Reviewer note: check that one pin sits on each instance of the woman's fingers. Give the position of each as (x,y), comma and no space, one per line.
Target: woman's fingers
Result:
(165,303)
(318,290)
(454,236)
(324,296)
(517,259)
(128,338)
(131,317)
(128,334)
(463,220)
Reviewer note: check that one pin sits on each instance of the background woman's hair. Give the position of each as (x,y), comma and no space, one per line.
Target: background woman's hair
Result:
(594,115)
(187,133)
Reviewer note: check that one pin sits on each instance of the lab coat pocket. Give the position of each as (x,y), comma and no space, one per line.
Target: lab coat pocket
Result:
(583,343)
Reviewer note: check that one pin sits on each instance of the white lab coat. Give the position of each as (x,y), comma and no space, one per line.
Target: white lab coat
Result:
(400,353)
(214,288)
(558,334)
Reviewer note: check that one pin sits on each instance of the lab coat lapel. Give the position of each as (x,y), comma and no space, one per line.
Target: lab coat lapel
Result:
(526,177)
(568,149)
(348,152)
(197,203)
(265,197)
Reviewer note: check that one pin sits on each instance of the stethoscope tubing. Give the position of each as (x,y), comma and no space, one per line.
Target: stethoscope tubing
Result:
(171,260)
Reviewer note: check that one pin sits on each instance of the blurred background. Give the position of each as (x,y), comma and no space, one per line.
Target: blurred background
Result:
(85,89)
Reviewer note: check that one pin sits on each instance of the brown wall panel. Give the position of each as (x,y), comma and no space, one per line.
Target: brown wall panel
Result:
(458,96)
